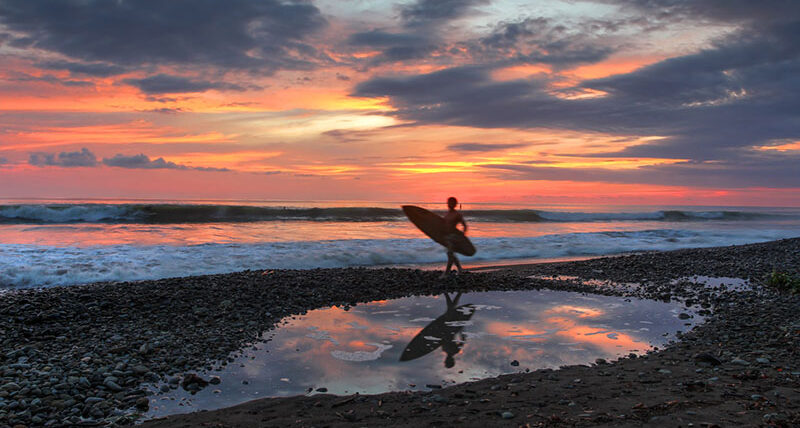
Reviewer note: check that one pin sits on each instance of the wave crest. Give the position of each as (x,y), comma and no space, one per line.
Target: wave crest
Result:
(185,213)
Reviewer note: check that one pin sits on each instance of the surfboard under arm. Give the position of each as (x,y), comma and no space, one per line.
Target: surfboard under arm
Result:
(433,225)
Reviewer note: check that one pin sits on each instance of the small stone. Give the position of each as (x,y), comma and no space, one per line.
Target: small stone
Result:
(684,316)
(707,358)
(110,384)
(515,363)
(762,360)
(439,399)
(143,403)
(665,371)
(193,379)
(11,386)
(507,415)
(215,380)
(164,388)
(739,362)
(323,389)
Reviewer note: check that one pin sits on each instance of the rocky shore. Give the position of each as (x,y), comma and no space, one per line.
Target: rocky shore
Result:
(80,355)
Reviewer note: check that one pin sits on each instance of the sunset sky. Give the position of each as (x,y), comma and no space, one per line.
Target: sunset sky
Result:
(670,102)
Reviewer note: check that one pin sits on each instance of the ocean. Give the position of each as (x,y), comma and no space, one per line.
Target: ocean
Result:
(59,243)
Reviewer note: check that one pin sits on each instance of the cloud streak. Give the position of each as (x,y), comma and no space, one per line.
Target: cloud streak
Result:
(85,158)
(82,158)
(483,147)
(168,84)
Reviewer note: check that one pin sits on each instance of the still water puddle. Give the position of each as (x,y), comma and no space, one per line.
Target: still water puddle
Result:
(426,342)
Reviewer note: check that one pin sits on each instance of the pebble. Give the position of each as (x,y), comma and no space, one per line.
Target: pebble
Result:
(507,415)
(142,403)
(118,355)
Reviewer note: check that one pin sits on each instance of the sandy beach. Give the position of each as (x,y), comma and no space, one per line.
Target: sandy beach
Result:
(81,354)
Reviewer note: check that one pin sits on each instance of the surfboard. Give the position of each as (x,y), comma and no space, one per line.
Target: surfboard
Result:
(432,225)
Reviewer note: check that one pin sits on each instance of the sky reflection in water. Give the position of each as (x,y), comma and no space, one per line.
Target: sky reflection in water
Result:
(409,343)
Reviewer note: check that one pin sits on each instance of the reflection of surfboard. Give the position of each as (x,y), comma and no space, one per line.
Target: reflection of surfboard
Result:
(437,332)
(432,225)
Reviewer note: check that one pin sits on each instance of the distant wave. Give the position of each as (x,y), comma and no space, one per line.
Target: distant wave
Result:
(28,265)
(185,213)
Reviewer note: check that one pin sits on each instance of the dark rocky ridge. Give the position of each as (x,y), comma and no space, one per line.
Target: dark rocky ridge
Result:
(80,353)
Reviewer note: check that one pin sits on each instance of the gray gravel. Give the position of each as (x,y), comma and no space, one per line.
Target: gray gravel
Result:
(81,354)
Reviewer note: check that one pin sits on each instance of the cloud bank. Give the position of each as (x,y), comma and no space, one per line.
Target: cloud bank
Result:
(85,158)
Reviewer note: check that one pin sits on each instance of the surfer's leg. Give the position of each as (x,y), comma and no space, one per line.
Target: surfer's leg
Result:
(450,256)
(458,264)
(449,263)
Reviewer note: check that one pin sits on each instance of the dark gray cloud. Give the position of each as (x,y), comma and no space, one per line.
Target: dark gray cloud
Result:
(540,41)
(423,22)
(85,158)
(351,135)
(66,159)
(762,11)
(3,160)
(169,84)
(142,161)
(264,35)
(734,95)
(380,38)
(47,78)
(163,110)
(713,105)
(484,147)
(528,41)
(395,46)
(426,12)
(95,69)
(753,170)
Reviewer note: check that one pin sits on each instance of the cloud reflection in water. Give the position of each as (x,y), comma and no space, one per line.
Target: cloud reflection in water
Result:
(393,344)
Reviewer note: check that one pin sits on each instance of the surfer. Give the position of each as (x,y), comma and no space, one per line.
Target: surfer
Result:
(451,220)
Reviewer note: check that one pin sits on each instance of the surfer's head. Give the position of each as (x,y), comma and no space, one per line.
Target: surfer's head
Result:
(452,202)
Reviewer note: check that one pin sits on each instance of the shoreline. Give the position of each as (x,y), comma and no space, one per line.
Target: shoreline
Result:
(102,342)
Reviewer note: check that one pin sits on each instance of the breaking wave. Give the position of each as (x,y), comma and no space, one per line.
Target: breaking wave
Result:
(186,213)
(26,265)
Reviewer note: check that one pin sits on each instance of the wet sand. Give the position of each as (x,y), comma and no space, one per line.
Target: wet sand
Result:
(85,351)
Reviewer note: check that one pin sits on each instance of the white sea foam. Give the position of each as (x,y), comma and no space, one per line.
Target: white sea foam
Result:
(28,265)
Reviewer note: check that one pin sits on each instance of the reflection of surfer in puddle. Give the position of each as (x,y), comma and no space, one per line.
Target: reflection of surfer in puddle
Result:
(442,332)
(452,234)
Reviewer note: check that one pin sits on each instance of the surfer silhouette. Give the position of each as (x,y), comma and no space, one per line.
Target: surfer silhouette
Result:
(451,220)
(442,332)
